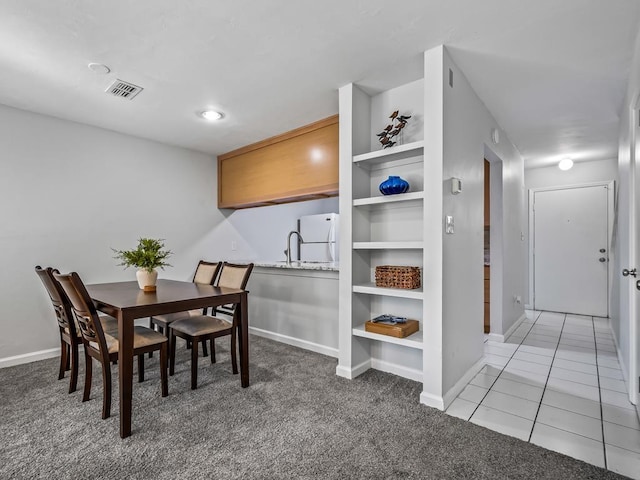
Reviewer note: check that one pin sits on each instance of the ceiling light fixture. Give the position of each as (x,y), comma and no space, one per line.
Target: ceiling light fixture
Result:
(565,164)
(211,115)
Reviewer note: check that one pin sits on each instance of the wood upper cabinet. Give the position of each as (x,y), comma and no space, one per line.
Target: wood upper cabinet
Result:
(298,165)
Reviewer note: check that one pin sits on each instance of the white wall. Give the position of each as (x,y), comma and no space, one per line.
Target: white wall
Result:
(582,172)
(467,133)
(71,192)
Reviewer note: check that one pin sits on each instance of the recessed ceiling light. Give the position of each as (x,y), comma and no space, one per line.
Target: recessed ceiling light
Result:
(99,68)
(211,115)
(565,164)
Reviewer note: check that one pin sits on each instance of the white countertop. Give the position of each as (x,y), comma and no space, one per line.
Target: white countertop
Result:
(295,265)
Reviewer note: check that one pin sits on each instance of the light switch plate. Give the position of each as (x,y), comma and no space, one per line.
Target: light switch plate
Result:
(456,186)
(448,224)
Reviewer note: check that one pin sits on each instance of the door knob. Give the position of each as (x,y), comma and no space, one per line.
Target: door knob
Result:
(602,259)
(602,250)
(627,272)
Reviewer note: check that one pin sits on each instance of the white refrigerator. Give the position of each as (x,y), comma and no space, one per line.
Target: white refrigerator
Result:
(319,237)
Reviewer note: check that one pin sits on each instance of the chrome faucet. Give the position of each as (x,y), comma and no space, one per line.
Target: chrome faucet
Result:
(288,250)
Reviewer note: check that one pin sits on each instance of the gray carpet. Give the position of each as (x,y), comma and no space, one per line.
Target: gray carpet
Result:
(296,420)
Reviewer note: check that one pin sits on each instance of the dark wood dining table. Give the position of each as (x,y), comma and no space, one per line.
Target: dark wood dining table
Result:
(126,302)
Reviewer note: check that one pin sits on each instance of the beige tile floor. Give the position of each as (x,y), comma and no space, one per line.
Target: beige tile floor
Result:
(556,382)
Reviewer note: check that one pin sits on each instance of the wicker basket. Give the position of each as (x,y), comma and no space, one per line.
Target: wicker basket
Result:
(390,276)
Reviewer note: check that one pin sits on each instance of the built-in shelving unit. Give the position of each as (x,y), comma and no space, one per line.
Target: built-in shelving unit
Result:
(379,229)
(442,140)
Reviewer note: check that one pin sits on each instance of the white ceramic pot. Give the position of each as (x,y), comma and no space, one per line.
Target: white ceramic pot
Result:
(146,278)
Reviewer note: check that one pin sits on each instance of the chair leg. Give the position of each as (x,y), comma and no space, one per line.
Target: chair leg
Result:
(88,368)
(194,363)
(106,390)
(213,350)
(163,369)
(172,352)
(234,362)
(67,365)
(204,348)
(152,327)
(63,359)
(73,384)
(141,368)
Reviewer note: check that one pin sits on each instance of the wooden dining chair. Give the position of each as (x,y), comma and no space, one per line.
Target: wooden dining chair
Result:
(70,337)
(104,347)
(207,327)
(206,274)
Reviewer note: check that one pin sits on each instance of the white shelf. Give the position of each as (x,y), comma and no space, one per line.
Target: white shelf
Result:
(388,245)
(412,341)
(371,289)
(384,199)
(400,152)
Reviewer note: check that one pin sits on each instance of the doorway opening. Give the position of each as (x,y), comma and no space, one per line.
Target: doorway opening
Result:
(487,246)
(494,234)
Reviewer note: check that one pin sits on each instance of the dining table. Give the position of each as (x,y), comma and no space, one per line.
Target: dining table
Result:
(127,302)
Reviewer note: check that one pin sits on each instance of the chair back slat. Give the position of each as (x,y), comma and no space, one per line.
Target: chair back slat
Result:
(84,311)
(206,272)
(234,275)
(58,299)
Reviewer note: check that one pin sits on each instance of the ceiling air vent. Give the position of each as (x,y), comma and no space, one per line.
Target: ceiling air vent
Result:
(123,89)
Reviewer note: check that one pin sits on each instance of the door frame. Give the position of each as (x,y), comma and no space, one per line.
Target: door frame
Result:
(610,217)
(634,315)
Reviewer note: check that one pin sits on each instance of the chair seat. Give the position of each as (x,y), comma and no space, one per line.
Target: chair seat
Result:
(201,325)
(142,337)
(164,320)
(109,324)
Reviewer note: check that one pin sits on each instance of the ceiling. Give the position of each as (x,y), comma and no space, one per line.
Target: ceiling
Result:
(553,73)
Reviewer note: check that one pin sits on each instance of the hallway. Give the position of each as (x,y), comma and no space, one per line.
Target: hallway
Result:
(556,382)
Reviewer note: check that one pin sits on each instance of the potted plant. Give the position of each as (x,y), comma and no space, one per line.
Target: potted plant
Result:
(146,257)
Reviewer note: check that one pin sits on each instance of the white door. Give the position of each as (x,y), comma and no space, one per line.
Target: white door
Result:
(571,250)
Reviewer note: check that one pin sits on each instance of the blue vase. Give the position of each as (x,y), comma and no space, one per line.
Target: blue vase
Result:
(394,185)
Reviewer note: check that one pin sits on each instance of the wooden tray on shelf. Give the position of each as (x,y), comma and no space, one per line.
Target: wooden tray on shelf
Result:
(399,330)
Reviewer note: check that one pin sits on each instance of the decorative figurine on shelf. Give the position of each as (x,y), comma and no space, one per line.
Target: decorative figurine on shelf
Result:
(392,131)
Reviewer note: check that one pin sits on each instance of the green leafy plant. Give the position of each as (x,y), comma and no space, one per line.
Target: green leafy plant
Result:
(149,255)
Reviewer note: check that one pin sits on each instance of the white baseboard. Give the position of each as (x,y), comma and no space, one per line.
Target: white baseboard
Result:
(376,364)
(29,357)
(527,307)
(296,342)
(496,337)
(442,403)
(454,391)
(432,400)
(353,372)
(400,370)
